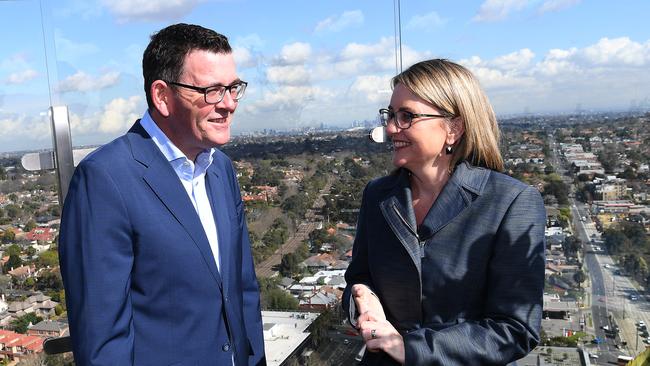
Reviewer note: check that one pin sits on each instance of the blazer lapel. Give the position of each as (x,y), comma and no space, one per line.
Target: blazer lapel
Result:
(217,194)
(455,197)
(162,179)
(397,209)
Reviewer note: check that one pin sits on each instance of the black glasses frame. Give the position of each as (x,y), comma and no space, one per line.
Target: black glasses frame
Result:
(385,115)
(206,90)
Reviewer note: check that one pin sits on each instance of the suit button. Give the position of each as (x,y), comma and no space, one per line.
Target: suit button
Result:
(226,347)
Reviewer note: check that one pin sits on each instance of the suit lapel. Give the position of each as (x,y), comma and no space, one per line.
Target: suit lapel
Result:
(396,207)
(164,182)
(217,194)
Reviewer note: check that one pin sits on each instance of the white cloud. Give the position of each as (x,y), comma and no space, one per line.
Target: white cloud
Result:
(119,114)
(607,74)
(373,87)
(250,41)
(22,126)
(359,50)
(618,51)
(289,75)
(496,10)
(295,53)
(82,82)
(387,62)
(339,69)
(22,76)
(517,60)
(338,23)
(243,57)
(557,5)
(136,10)
(17,61)
(426,22)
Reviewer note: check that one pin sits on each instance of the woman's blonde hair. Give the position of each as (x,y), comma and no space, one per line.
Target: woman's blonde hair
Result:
(454,90)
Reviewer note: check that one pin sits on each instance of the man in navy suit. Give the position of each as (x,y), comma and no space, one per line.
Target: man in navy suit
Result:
(154,247)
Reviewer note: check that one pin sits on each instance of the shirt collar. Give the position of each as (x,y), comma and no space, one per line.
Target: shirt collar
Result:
(167,147)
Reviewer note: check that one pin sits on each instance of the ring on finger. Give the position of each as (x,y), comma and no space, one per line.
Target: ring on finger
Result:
(373,333)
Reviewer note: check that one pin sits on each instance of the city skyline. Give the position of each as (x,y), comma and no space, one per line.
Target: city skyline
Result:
(317,63)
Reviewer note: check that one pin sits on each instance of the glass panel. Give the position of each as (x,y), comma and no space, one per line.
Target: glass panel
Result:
(24,83)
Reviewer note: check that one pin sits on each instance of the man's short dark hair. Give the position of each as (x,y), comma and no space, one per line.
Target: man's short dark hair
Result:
(163,59)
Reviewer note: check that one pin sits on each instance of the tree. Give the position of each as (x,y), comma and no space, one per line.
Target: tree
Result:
(559,190)
(272,297)
(13,262)
(296,205)
(49,258)
(20,325)
(571,245)
(13,210)
(579,277)
(30,225)
(49,280)
(29,283)
(9,236)
(289,265)
(30,251)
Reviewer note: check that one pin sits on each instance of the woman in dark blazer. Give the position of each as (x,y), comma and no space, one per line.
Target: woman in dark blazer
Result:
(448,261)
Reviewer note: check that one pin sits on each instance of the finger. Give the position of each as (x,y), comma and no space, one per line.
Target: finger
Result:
(359,290)
(373,345)
(372,315)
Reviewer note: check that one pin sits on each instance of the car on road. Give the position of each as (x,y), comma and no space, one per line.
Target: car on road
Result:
(597,340)
(606,265)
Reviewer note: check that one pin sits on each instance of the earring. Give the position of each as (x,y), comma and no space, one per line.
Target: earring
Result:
(449,150)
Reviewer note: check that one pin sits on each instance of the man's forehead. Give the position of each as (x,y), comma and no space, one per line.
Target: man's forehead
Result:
(210,67)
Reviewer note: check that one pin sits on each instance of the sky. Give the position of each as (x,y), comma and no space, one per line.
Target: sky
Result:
(317,62)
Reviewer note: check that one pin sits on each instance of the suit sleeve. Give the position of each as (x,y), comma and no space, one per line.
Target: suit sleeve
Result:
(250,287)
(96,254)
(358,271)
(513,307)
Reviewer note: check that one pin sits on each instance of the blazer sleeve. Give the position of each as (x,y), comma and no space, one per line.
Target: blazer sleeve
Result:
(513,306)
(358,271)
(251,292)
(96,255)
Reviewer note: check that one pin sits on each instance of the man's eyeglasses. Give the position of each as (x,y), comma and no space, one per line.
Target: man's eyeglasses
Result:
(403,119)
(215,94)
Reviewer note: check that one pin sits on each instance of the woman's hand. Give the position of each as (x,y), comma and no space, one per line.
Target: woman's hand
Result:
(367,302)
(380,335)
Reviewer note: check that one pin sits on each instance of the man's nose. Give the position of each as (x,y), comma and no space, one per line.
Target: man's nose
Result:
(227,102)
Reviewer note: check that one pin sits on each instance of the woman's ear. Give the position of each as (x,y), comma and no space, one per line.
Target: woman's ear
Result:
(161,97)
(455,130)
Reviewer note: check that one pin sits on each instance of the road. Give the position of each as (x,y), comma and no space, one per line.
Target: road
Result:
(268,268)
(611,304)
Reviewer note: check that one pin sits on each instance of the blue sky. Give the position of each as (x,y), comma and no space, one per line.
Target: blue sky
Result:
(313,62)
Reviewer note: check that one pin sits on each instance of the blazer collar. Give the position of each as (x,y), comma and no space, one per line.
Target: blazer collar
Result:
(466,183)
(162,179)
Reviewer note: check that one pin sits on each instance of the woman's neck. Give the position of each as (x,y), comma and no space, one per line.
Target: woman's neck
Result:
(426,185)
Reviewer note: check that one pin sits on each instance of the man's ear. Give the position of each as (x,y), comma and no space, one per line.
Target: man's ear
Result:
(161,97)
(455,130)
